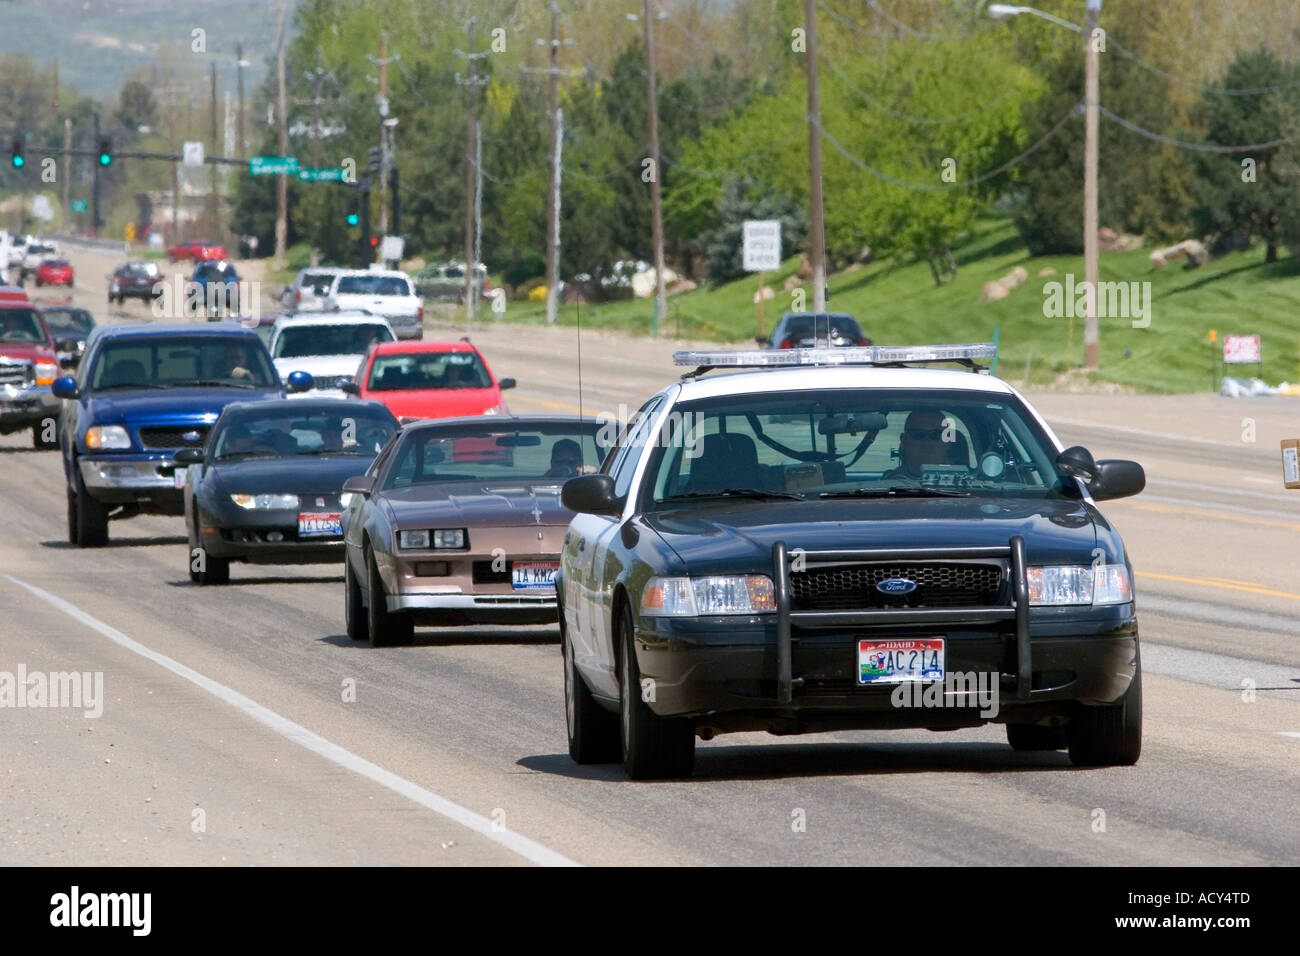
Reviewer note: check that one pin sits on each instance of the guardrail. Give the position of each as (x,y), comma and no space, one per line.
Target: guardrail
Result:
(92,245)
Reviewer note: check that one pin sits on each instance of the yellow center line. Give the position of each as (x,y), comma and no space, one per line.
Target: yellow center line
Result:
(1218,583)
(1197,512)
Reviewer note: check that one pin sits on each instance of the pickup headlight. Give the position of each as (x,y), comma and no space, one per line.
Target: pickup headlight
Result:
(1078,585)
(497,410)
(266,502)
(702,597)
(107,437)
(46,372)
(443,539)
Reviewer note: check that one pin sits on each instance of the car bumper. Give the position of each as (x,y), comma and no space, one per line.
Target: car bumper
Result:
(133,479)
(727,667)
(23,407)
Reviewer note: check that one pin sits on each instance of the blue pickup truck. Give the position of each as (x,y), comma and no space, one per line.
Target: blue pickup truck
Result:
(140,393)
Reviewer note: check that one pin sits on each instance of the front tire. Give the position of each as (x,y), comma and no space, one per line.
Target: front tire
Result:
(354,610)
(385,627)
(654,747)
(87,518)
(592,730)
(1109,736)
(39,442)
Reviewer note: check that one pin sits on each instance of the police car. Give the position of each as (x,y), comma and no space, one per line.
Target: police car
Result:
(813,540)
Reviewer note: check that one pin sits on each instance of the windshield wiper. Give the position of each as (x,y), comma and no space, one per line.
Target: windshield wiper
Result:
(332,451)
(232,455)
(756,493)
(897,491)
(212,383)
(106,388)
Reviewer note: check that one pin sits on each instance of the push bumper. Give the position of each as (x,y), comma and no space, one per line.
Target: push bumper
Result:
(132,479)
(26,406)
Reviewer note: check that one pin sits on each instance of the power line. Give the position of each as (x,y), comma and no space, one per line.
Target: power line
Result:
(900,28)
(1216,90)
(1183,144)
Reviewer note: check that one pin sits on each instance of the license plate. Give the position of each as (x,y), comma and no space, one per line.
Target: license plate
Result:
(900,661)
(178,477)
(319,524)
(533,574)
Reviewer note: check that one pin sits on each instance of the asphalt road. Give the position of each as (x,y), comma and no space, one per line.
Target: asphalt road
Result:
(227,735)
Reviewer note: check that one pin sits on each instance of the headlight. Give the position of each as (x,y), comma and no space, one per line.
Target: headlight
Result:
(413,540)
(1077,585)
(266,502)
(46,372)
(444,539)
(107,436)
(497,410)
(701,597)
(345,500)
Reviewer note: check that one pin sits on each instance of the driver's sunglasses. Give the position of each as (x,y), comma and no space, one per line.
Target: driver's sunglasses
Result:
(570,462)
(923,434)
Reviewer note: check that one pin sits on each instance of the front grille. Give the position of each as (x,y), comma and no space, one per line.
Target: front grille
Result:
(331,381)
(173,436)
(853,587)
(18,374)
(483,573)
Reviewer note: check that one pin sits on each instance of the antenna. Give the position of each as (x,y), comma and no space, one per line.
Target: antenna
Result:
(577,302)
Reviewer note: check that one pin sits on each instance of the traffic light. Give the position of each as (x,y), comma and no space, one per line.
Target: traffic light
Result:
(18,160)
(105,152)
(354,215)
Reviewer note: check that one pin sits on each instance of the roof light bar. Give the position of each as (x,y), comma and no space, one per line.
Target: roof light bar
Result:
(854,355)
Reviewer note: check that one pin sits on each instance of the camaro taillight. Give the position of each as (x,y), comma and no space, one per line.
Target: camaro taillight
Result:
(787,343)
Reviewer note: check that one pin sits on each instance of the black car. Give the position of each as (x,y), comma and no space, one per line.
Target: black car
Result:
(842,546)
(69,327)
(799,330)
(267,488)
(134,280)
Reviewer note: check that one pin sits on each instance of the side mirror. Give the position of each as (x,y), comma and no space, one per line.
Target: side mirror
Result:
(350,388)
(189,456)
(66,345)
(300,382)
(1077,462)
(359,485)
(1117,478)
(64,387)
(507,383)
(591,494)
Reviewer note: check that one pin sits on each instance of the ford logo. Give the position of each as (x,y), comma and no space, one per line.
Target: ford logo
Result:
(190,436)
(896,586)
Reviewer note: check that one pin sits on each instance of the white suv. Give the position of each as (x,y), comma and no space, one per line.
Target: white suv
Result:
(329,346)
(386,293)
(310,289)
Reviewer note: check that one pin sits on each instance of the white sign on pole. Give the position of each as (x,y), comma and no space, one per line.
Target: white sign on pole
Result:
(192,153)
(762,251)
(1241,349)
(391,247)
(42,209)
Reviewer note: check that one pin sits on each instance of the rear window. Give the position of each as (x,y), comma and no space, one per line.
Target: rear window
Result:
(421,370)
(68,320)
(840,326)
(373,285)
(301,341)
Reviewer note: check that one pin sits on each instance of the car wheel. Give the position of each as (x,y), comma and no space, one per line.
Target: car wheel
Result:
(1034,737)
(192,545)
(593,731)
(1109,736)
(39,442)
(72,516)
(354,611)
(654,747)
(386,628)
(88,519)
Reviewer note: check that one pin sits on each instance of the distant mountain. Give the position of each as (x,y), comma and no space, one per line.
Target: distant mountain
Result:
(98,43)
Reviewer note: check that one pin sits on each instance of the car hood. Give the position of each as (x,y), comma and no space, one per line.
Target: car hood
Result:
(319,365)
(438,402)
(478,505)
(302,475)
(35,351)
(741,534)
(171,404)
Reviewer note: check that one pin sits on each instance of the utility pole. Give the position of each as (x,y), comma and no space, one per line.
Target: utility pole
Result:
(282,181)
(240,63)
(656,210)
(1091,96)
(817,224)
(553,194)
(67,168)
(172,98)
(478,203)
(316,76)
(383,132)
(470,83)
(214,200)
(95,221)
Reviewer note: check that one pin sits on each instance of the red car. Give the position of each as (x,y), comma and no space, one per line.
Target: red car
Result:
(28,366)
(54,272)
(200,250)
(431,380)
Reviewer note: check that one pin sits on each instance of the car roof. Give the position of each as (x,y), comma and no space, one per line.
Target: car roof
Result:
(308,405)
(396,273)
(494,422)
(206,329)
(410,348)
(753,381)
(330,318)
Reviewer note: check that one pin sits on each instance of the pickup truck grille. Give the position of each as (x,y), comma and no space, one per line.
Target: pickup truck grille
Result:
(18,374)
(850,587)
(173,436)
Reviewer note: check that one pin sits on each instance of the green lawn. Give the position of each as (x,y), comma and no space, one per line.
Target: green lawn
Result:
(899,304)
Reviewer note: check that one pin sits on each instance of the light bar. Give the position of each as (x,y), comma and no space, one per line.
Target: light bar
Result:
(853,355)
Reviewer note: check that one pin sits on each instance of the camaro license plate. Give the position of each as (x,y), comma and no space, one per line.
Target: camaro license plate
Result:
(319,524)
(525,575)
(900,661)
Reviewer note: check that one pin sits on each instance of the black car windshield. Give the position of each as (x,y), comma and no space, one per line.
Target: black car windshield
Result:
(373,285)
(400,371)
(550,452)
(797,328)
(68,321)
(301,341)
(835,444)
(285,432)
(21,326)
(180,360)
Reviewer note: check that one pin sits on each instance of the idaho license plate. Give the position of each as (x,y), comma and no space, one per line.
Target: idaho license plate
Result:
(900,661)
(319,524)
(525,575)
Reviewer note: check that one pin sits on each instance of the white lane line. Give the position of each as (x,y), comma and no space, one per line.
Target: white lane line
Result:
(1289,733)
(528,849)
(1146,433)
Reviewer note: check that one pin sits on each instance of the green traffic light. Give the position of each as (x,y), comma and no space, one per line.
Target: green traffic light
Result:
(105,159)
(19,162)
(353,219)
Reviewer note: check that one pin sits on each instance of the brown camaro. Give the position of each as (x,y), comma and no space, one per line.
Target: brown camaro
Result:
(459,521)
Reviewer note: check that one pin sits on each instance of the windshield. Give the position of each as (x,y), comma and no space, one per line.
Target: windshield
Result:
(62,321)
(179,360)
(802,327)
(854,443)
(536,452)
(21,327)
(301,341)
(419,370)
(373,285)
(284,432)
